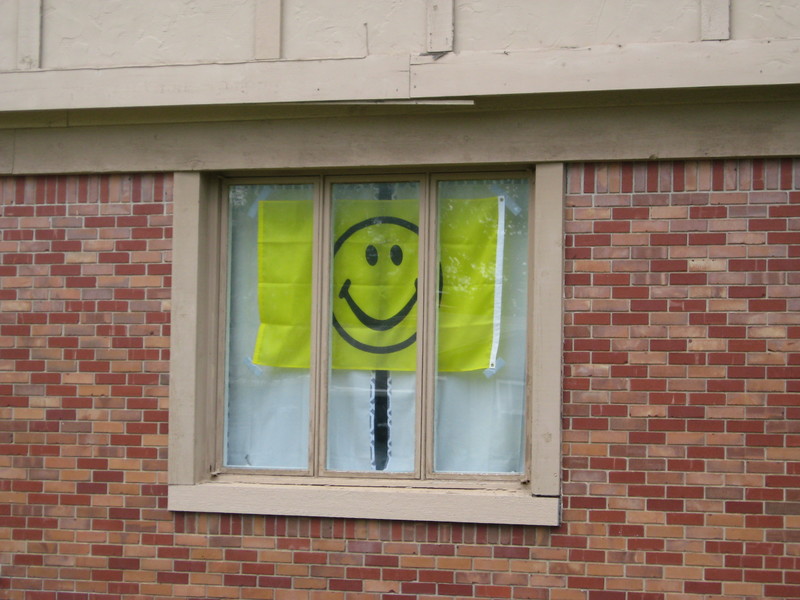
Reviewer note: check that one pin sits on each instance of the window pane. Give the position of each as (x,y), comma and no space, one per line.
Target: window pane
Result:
(269,326)
(371,396)
(479,422)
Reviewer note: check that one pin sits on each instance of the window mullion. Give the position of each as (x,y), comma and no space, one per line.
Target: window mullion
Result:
(217,234)
(319,326)
(426,340)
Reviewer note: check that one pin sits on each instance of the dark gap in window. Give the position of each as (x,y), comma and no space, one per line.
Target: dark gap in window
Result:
(380,424)
(380,427)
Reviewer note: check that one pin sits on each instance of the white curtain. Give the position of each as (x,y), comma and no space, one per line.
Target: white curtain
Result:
(266,421)
(350,422)
(479,424)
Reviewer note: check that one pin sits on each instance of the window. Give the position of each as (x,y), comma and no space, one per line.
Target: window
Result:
(368,346)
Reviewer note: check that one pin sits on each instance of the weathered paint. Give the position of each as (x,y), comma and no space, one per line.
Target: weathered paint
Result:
(104,33)
(522,24)
(765,19)
(325,29)
(8,34)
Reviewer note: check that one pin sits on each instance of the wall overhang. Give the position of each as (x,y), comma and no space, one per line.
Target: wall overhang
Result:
(677,124)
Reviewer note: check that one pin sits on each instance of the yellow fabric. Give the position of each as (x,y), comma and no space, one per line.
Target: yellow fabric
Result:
(468,238)
(375,266)
(285,235)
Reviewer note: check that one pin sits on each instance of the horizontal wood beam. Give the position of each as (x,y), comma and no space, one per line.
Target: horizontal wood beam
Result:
(662,66)
(379,76)
(628,67)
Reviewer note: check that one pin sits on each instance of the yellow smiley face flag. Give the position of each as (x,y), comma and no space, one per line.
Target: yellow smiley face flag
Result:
(374,284)
(374,291)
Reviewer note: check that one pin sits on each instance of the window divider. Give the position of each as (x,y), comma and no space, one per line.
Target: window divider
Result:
(320,323)
(218,268)
(527,469)
(426,326)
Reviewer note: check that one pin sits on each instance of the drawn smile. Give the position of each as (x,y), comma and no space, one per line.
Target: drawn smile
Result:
(370,321)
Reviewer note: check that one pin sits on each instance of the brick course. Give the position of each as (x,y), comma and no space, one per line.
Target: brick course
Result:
(681,409)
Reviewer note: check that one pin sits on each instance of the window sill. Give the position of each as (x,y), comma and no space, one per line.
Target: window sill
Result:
(452,505)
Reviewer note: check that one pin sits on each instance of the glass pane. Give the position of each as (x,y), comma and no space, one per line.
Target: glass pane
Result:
(371,396)
(479,422)
(269,326)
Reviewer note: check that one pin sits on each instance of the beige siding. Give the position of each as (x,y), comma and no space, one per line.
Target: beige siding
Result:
(522,24)
(119,32)
(765,19)
(8,34)
(325,29)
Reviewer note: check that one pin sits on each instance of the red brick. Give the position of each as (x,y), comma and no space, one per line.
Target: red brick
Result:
(747,292)
(454,589)
(345,585)
(767,225)
(744,507)
(723,574)
(702,587)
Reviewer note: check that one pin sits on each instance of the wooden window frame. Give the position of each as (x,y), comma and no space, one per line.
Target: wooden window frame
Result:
(198,483)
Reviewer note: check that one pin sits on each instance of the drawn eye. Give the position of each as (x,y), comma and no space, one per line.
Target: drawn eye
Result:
(372,255)
(396,254)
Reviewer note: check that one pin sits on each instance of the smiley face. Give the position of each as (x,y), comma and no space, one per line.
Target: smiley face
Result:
(375,284)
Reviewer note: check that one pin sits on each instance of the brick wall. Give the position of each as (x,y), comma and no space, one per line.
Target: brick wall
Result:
(682,414)
(682,410)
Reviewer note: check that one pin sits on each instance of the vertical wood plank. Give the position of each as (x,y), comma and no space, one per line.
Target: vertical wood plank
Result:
(267,29)
(29,34)
(183,363)
(192,418)
(440,28)
(715,19)
(545,344)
